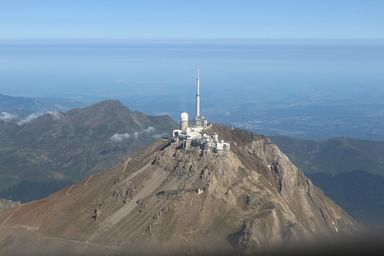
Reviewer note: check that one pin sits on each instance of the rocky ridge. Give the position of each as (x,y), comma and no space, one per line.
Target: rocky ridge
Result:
(169,200)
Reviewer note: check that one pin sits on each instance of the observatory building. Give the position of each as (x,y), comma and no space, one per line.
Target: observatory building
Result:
(194,134)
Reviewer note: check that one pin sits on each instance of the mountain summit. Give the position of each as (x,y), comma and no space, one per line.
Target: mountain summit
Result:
(66,147)
(175,200)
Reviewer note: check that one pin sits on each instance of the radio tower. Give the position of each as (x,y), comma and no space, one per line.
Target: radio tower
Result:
(198,115)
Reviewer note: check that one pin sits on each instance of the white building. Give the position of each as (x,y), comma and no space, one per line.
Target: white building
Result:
(193,135)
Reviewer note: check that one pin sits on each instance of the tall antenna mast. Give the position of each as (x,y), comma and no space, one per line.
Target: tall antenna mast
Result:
(198,95)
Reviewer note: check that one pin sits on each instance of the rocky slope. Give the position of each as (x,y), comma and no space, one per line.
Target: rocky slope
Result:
(166,199)
(56,149)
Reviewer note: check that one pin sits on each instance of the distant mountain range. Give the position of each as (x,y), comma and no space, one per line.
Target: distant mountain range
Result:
(43,149)
(59,148)
(360,193)
(19,108)
(334,156)
(350,171)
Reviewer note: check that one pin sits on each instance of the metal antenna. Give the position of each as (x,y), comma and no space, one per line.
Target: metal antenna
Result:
(198,95)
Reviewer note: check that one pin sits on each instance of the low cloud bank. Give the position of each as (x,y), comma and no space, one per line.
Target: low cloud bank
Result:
(149,129)
(120,137)
(56,115)
(29,118)
(160,135)
(7,117)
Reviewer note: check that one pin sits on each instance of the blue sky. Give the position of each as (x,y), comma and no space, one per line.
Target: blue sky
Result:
(191,19)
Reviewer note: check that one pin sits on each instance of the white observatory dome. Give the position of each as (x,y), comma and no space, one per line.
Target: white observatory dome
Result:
(184,116)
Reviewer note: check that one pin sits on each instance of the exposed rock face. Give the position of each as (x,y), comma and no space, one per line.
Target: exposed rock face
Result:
(171,200)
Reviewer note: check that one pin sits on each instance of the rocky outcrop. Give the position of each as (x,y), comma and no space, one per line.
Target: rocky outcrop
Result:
(173,200)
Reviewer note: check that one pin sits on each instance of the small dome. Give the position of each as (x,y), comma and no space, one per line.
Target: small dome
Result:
(184,116)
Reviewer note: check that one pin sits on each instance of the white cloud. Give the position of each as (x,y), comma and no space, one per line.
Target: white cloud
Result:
(119,137)
(5,116)
(29,118)
(55,114)
(149,129)
(158,136)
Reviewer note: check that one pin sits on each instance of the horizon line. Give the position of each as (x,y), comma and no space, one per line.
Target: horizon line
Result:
(195,39)
(178,41)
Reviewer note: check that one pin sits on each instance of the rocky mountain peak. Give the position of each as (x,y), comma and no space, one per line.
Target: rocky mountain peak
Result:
(175,200)
(69,146)
(114,105)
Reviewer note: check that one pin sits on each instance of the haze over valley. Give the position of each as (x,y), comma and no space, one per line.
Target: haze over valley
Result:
(314,89)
